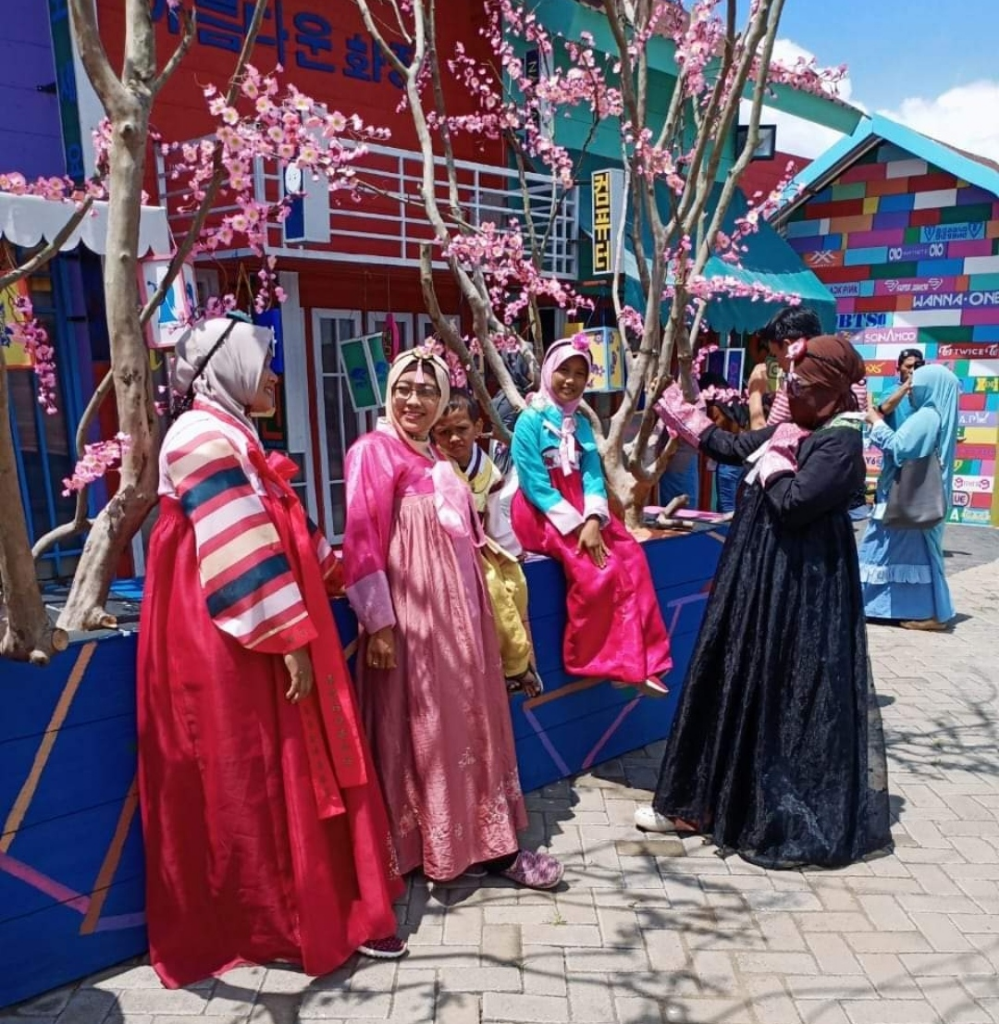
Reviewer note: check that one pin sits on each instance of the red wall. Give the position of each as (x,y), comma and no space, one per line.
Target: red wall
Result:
(324,65)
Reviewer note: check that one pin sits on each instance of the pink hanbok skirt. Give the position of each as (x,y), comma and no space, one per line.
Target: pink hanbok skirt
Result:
(439,723)
(614,629)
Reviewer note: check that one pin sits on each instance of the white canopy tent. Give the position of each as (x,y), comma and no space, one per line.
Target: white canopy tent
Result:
(28,221)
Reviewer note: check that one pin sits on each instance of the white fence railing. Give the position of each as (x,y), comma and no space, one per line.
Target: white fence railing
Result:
(389,224)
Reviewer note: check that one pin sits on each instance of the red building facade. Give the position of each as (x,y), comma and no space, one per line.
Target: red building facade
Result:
(358,262)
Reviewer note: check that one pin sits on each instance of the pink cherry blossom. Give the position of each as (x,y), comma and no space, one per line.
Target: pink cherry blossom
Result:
(23,329)
(97,459)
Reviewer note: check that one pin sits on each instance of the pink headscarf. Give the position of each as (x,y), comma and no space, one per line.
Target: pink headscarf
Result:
(559,354)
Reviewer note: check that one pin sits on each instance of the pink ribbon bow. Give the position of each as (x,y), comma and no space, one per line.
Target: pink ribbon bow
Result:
(453,504)
(681,418)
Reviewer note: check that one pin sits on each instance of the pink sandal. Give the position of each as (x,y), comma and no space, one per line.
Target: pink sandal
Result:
(535,870)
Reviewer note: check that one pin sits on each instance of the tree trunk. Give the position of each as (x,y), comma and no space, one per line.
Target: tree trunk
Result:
(125,512)
(26,634)
(626,494)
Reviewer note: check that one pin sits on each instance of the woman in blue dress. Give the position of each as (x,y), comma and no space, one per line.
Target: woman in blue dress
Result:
(902,571)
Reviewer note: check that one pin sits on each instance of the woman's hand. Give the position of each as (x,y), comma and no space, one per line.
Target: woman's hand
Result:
(759,381)
(592,542)
(299,665)
(381,649)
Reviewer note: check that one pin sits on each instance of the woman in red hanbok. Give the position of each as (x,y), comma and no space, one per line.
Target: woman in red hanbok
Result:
(615,629)
(265,834)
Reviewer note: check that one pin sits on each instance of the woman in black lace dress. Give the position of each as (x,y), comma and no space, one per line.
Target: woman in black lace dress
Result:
(777,752)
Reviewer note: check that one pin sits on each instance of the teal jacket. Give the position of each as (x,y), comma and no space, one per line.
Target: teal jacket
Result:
(537,435)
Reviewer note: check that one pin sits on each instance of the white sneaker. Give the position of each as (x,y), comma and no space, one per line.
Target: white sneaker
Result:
(648,819)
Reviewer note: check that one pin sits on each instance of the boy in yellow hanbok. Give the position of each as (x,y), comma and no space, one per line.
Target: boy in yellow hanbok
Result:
(456,435)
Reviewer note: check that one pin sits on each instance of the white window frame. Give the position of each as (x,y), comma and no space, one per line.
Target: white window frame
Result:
(365,421)
(425,326)
(406,319)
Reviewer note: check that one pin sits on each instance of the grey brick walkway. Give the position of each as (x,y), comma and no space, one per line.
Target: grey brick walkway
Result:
(652,930)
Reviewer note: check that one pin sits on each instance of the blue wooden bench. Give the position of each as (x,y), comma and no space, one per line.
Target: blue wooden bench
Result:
(71,863)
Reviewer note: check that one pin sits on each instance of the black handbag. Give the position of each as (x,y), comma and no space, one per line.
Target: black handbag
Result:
(916,500)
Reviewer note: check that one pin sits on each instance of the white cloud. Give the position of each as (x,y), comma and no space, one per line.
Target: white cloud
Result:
(795,135)
(963,116)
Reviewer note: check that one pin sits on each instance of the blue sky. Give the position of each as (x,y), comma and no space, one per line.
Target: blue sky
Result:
(930,64)
(897,49)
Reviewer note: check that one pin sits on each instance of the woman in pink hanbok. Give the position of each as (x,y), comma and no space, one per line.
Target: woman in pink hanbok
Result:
(429,676)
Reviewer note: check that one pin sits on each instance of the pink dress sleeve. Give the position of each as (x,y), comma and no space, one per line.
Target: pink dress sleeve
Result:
(370,506)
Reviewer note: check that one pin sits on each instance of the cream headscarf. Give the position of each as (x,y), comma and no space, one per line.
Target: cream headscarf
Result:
(231,375)
(422,360)
(452,496)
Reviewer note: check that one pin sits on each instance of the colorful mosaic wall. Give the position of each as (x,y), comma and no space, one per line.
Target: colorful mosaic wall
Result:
(912,255)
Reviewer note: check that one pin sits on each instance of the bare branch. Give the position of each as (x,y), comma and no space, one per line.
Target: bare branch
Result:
(64,532)
(80,521)
(218,176)
(663,459)
(454,341)
(401,22)
(767,33)
(474,291)
(419,24)
(94,57)
(441,108)
(190,25)
(138,71)
(53,248)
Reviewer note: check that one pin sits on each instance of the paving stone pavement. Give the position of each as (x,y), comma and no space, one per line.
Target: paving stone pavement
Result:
(654,930)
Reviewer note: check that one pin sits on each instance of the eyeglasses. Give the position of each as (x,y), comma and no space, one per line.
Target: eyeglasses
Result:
(425,394)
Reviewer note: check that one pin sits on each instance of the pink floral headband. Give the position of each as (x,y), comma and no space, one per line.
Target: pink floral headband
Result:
(423,353)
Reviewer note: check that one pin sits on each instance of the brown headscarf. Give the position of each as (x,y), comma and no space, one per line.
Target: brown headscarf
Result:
(828,368)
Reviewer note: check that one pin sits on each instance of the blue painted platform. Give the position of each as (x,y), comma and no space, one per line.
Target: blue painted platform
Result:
(71,864)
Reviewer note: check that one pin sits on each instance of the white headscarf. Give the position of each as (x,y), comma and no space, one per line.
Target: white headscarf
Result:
(231,376)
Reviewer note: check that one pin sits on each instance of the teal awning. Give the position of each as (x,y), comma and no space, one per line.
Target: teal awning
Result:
(770,261)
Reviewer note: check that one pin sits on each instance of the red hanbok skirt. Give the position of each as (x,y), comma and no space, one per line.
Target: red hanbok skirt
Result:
(614,629)
(241,869)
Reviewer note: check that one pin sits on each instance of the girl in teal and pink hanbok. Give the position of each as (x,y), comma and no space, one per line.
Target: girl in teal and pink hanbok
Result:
(615,629)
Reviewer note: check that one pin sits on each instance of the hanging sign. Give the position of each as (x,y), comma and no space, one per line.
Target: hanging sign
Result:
(174,313)
(366,369)
(608,209)
(607,356)
(15,355)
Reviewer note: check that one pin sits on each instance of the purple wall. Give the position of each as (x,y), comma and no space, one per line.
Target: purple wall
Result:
(30,132)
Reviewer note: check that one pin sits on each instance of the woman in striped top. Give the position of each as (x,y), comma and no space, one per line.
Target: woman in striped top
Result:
(265,833)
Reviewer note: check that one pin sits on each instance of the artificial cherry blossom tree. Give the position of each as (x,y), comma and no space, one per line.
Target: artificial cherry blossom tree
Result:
(257,118)
(500,266)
